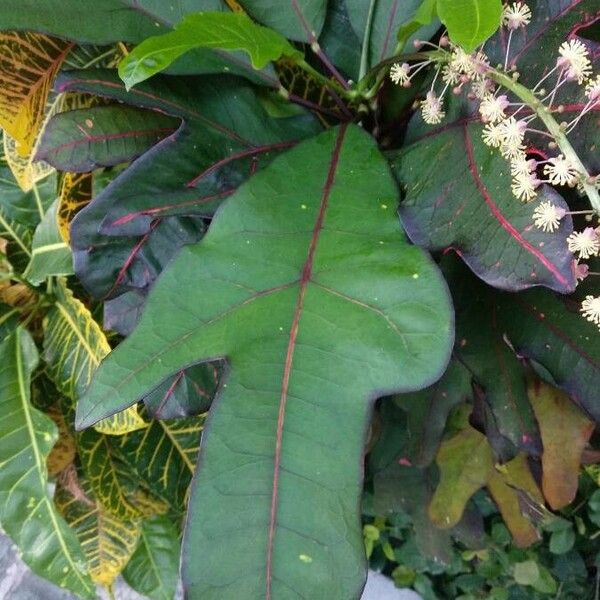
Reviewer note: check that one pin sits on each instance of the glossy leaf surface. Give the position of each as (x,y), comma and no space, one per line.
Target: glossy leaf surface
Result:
(295,19)
(226,31)
(125,237)
(27,513)
(102,136)
(50,255)
(108,542)
(153,570)
(343,288)
(28,66)
(470,208)
(470,22)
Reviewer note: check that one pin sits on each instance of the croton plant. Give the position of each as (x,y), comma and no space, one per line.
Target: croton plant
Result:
(257,253)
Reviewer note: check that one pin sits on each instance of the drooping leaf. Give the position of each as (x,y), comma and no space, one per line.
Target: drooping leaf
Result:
(28,65)
(25,208)
(295,19)
(537,325)
(50,254)
(107,541)
(565,431)
(549,329)
(153,570)
(74,345)
(226,31)
(470,22)
(481,346)
(27,513)
(428,410)
(408,489)
(343,289)
(465,461)
(505,486)
(26,171)
(387,17)
(63,452)
(101,136)
(104,23)
(74,192)
(112,21)
(123,239)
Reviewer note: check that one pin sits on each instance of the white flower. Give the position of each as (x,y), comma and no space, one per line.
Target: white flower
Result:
(592,89)
(585,242)
(512,132)
(516,15)
(521,165)
(461,61)
(547,216)
(561,171)
(492,108)
(480,65)
(590,309)
(574,59)
(399,73)
(450,75)
(524,186)
(492,135)
(432,109)
(481,88)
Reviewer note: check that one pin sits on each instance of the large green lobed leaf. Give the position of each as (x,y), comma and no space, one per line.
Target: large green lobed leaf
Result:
(307,285)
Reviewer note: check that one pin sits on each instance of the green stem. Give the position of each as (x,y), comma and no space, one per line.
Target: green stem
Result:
(380,70)
(38,201)
(364,55)
(527,96)
(348,94)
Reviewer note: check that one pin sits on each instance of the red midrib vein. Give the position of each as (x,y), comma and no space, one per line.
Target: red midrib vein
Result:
(107,137)
(504,222)
(304,280)
(182,111)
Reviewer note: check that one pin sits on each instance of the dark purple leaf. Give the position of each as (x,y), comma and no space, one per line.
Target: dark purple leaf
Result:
(468,206)
(225,135)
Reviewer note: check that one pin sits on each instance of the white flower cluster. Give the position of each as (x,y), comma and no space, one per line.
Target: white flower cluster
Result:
(506,124)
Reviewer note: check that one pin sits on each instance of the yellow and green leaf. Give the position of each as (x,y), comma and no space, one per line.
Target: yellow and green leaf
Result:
(74,345)
(63,452)
(163,457)
(74,192)
(107,541)
(28,65)
(27,513)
